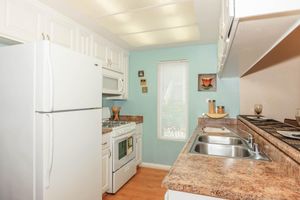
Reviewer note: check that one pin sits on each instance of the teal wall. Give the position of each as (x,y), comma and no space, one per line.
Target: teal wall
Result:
(202,59)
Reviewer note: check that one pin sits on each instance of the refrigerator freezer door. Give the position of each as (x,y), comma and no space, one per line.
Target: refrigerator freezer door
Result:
(66,80)
(16,123)
(70,155)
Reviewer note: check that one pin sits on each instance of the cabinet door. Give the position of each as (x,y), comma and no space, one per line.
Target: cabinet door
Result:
(228,15)
(20,20)
(99,49)
(61,31)
(84,42)
(105,170)
(126,80)
(115,59)
(139,151)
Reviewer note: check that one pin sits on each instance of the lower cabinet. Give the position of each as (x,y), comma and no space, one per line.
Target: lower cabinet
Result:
(176,195)
(106,162)
(139,143)
(138,150)
(105,170)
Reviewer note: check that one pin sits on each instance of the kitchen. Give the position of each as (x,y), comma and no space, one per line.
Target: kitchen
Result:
(153,99)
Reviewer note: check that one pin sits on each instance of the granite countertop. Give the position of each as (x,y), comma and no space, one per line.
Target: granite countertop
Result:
(106,130)
(229,178)
(132,118)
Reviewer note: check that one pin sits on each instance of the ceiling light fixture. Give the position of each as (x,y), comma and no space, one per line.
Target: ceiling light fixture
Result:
(109,6)
(130,28)
(122,17)
(174,21)
(169,9)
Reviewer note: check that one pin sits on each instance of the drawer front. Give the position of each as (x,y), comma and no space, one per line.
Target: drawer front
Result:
(139,129)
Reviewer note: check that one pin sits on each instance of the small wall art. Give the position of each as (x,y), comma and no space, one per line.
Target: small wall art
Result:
(145,89)
(143,82)
(207,82)
(141,73)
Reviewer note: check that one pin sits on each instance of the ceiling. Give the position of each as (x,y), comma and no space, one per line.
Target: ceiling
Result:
(141,24)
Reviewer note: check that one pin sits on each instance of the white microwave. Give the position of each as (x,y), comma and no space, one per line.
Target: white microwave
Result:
(113,82)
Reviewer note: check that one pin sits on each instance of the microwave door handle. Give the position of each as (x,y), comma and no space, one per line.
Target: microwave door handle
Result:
(121,85)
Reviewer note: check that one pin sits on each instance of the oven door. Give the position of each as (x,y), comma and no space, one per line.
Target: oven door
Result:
(113,82)
(123,150)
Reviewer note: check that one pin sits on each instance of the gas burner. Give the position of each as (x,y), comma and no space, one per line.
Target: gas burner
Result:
(113,124)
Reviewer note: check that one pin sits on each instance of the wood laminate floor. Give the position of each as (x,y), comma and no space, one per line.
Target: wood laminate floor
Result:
(145,185)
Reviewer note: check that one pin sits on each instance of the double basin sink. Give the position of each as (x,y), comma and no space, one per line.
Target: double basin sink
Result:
(226,146)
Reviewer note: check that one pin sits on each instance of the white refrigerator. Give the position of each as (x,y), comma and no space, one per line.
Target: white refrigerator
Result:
(50,123)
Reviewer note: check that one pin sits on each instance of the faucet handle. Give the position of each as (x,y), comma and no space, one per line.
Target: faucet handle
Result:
(250,140)
(255,148)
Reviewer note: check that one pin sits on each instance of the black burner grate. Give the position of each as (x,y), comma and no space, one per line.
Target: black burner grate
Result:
(272,126)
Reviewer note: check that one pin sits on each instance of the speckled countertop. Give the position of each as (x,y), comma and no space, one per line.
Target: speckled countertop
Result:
(230,178)
(106,130)
(132,118)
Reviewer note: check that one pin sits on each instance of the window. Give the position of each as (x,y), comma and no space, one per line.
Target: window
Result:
(172,100)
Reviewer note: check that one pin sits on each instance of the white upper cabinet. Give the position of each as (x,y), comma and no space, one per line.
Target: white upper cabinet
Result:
(84,42)
(19,20)
(113,58)
(60,30)
(251,29)
(99,48)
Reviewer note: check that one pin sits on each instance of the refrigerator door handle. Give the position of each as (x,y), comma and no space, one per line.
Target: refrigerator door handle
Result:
(51,92)
(51,150)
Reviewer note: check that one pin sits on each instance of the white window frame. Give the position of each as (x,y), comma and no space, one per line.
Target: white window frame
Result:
(159,134)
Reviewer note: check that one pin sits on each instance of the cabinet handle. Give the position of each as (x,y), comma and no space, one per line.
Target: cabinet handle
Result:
(43,36)
(105,143)
(48,37)
(109,153)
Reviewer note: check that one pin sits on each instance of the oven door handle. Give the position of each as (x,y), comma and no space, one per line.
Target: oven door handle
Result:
(127,135)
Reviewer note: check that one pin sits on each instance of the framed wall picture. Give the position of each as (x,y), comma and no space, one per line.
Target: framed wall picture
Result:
(207,82)
(141,73)
(145,89)
(143,82)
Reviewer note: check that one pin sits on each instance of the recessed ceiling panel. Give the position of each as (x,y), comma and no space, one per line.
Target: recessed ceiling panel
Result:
(146,23)
(163,17)
(100,8)
(167,36)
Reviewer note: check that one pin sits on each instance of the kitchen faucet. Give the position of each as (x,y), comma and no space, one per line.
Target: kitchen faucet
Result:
(251,140)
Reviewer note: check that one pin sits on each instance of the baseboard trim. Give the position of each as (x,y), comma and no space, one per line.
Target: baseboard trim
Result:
(155,166)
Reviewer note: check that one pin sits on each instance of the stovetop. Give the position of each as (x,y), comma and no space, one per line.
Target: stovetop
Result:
(113,124)
(272,126)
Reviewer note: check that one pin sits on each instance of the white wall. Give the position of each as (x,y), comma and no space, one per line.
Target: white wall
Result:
(276,84)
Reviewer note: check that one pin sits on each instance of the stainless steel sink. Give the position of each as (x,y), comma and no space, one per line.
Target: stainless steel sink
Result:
(221,140)
(222,150)
(226,146)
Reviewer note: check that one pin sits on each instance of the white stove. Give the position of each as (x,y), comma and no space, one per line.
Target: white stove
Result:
(123,150)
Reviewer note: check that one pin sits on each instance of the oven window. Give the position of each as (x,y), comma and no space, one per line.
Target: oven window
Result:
(122,149)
